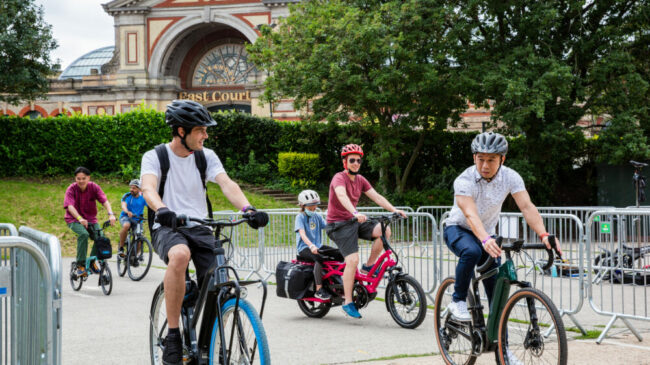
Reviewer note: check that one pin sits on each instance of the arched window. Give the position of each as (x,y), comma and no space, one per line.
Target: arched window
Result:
(226,64)
(33,114)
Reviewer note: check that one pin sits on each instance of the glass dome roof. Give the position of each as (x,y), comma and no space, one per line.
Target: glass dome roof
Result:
(82,65)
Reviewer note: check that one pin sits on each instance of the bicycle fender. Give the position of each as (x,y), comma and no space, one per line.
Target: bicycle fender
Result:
(392,282)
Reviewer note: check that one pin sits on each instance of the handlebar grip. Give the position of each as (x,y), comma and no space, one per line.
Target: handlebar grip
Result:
(552,241)
(488,263)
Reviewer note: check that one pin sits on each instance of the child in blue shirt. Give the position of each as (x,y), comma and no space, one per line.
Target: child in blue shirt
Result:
(133,204)
(308,227)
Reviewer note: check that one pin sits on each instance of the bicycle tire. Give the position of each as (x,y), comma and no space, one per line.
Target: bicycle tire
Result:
(106,279)
(75,281)
(258,346)
(158,325)
(512,335)
(138,271)
(121,262)
(401,303)
(445,337)
(314,309)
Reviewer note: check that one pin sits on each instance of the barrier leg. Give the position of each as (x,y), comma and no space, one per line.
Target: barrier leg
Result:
(629,325)
(607,328)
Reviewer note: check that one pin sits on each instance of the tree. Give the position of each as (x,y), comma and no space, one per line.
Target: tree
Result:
(547,64)
(25,45)
(383,63)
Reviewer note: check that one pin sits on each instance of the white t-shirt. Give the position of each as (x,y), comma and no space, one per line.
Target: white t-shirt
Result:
(488,196)
(184,193)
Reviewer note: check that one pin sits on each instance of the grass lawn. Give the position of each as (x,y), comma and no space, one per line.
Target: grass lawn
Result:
(38,203)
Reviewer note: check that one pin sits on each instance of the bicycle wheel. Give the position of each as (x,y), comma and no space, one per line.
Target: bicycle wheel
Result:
(406,301)
(250,345)
(158,326)
(314,309)
(121,262)
(106,279)
(544,343)
(139,259)
(75,280)
(454,338)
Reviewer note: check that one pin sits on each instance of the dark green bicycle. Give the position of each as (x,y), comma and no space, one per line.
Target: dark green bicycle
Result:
(525,328)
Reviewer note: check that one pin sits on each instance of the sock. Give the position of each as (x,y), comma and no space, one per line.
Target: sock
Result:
(174,331)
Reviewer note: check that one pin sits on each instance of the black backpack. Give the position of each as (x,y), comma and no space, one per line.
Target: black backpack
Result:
(163,158)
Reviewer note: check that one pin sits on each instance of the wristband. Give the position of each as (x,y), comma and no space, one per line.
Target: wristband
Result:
(111,213)
(355,212)
(79,218)
(247,207)
(485,240)
(544,235)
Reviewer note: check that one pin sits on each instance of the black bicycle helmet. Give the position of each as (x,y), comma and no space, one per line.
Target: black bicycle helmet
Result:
(489,142)
(188,114)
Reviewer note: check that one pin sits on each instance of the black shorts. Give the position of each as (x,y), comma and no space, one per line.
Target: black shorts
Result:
(198,238)
(346,234)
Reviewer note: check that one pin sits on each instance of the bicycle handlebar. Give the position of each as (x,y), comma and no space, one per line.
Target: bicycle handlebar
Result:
(182,220)
(519,245)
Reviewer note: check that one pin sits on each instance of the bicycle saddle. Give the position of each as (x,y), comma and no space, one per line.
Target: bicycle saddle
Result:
(638,164)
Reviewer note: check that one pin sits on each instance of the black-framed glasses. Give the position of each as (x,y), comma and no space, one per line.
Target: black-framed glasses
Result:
(355,160)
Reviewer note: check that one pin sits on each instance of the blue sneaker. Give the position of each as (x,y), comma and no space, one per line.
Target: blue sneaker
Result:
(351,310)
(366,269)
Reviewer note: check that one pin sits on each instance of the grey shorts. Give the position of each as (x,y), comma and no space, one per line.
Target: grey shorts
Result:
(126,219)
(198,238)
(346,234)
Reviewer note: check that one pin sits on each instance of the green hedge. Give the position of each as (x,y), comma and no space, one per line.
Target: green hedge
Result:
(249,146)
(302,169)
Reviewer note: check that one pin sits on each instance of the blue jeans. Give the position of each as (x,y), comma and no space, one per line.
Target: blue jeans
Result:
(469,249)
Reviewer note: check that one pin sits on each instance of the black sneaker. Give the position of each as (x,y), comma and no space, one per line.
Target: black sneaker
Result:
(322,294)
(173,353)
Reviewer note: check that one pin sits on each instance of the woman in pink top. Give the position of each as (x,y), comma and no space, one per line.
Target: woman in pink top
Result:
(81,213)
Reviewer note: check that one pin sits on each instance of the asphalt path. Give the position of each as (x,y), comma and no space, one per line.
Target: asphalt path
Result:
(114,329)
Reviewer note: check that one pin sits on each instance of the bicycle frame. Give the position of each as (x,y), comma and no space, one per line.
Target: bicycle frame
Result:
(215,290)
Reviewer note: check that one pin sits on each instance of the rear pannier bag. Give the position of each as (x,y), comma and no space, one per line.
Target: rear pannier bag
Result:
(294,280)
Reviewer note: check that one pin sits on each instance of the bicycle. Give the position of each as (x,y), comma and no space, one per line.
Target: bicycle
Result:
(527,324)
(405,299)
(105,276)
(231,331)
(139,253)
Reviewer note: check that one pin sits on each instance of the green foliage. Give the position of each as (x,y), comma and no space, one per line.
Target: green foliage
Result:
(302,169)
(252,172)
(379,63)
(621,141)
(25,45)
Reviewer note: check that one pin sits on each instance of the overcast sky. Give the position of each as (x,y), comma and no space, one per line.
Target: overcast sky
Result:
(79,26)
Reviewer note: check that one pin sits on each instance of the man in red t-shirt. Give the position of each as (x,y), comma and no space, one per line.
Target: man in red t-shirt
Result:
(81,213)
(345,190)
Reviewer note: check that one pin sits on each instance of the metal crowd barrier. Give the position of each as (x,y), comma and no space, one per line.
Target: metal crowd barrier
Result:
(436,211)
(7,302)
(619,276)
(28,319)
(566,286)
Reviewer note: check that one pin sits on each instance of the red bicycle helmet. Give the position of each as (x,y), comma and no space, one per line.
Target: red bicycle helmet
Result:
(350,149)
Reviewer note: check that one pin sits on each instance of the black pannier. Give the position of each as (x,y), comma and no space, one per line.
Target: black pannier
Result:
(104,249)
(294,280)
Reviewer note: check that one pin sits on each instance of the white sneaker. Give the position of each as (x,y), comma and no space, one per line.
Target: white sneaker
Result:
(512,359)
(459,311)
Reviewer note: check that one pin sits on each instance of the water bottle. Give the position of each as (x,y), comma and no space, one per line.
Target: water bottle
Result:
(554,271)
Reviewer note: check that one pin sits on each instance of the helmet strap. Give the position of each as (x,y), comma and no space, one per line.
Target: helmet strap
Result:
(183,140)
(488,179)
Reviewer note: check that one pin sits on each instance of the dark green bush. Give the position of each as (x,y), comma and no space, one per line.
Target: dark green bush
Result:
(302,169)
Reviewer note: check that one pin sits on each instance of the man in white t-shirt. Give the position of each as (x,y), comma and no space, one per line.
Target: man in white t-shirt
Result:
(479,192)
(184,193)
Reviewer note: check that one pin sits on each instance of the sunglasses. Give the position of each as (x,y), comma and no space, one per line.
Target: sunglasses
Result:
(355,160)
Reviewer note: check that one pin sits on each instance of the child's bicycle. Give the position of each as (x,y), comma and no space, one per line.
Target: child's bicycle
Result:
(103,252)
(137,259)
(231,331)
(405,298)
(525,328)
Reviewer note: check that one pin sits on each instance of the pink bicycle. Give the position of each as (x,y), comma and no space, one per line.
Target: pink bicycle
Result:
(405,298)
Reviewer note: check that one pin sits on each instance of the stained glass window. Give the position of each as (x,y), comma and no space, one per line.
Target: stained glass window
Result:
(226,64)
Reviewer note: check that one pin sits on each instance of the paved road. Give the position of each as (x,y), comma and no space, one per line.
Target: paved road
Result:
(113,329)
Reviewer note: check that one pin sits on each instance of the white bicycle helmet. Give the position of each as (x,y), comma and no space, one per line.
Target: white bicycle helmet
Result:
(308,197)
